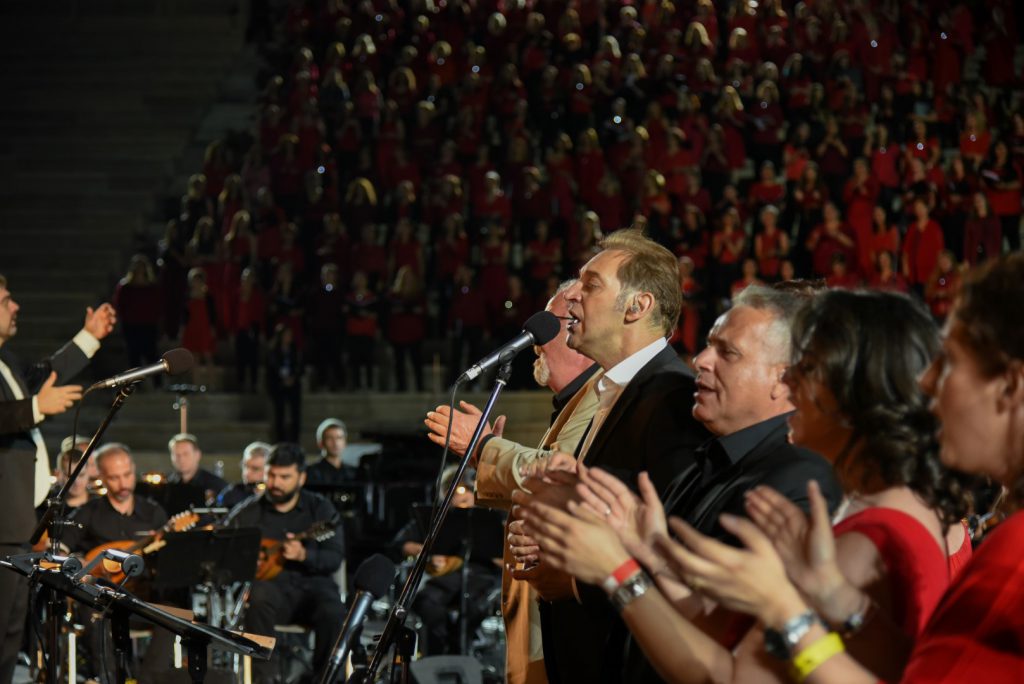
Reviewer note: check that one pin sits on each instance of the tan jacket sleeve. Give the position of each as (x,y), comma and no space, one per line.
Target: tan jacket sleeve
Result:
(498,466)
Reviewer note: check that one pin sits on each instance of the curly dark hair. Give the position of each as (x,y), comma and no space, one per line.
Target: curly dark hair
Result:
(868,349)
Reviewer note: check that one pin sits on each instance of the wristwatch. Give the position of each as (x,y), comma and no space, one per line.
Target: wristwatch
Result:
(780,643)
(630,590)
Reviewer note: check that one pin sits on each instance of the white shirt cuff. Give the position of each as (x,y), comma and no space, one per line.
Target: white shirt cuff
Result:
(85,341)
(37,415)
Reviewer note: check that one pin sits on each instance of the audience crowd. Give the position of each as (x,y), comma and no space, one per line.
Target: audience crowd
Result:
(430,171)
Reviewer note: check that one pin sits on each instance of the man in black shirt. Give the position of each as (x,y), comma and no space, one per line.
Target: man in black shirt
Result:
(185,457)
(120,514)
(331,437)
(742,399)
(304,590)
(254,461)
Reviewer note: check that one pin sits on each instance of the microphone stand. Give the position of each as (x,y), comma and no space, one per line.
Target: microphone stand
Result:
(53,521)
(399,612)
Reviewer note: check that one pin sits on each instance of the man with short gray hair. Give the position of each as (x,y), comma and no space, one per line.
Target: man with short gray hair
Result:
(253,464)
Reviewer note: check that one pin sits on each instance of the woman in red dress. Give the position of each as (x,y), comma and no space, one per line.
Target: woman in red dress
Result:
(771,245)
(976,633)
(199,335)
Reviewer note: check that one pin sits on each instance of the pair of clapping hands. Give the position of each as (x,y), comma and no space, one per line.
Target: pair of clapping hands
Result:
(586,522)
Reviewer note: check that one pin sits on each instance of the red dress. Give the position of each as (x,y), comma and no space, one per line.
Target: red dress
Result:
(977,632)
(916,567)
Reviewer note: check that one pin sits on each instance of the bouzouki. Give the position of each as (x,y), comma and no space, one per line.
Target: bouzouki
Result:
(150,544)
(271,559)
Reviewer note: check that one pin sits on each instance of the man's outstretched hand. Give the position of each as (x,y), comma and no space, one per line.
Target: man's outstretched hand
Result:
(55,400)
(463,422)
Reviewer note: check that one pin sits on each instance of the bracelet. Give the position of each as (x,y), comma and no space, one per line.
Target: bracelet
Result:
(620,575)
(630,590)
(811,658)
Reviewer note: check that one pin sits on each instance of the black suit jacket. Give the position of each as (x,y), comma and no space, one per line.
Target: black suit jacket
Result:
(17,450)
(650,427)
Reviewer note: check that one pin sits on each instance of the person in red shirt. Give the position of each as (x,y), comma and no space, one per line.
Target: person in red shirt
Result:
(543,256)
(407,327)
(361,330)
(829,238)
(921,247)
(467,323)
(749,277)
(983,232)
(840,276)
(943,286)
(860,196)
(137,299)
(249,327)
(885,275)
(766,189)
(771,245)
(1001,179)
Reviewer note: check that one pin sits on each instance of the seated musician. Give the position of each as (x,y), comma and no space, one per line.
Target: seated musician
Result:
(441,592)
(185,458)
(304,590)
(119,515)
(331,437)
(80,491)
(254,460)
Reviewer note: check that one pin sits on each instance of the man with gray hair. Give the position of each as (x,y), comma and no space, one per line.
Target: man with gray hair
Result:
(743,401)
(254,460)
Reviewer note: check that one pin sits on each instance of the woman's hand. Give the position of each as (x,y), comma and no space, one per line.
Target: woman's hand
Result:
(750,580)
(807,549)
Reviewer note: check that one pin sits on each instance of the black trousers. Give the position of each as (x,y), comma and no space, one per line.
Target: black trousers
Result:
(13,609)
(290,598)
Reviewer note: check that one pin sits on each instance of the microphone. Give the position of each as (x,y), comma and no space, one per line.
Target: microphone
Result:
(540,328)
(131,564)
(174,362)
(373,579)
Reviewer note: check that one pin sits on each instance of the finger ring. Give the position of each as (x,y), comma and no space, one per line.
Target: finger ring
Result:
(695,583)
(607,511)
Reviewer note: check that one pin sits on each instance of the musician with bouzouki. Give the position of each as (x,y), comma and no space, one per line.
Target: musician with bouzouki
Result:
(302,549)
(122,519)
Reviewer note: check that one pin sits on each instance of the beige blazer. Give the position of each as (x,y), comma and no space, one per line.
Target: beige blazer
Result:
(497,477)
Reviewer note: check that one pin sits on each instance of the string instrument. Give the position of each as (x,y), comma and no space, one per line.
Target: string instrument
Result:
(271,559)
(451,564)
(181,522)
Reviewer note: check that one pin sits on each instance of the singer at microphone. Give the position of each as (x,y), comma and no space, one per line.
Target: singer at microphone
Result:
(538,330)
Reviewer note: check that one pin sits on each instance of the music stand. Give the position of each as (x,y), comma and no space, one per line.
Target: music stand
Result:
(465,530)
(468,533)
(173,497)
(217,557)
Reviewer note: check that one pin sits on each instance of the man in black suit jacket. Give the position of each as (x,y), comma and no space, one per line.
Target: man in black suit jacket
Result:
(28,393)
(623,307)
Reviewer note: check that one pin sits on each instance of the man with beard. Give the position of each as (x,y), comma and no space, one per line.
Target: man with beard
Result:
(119,515)
(304,591)
(30,393)
(500,463)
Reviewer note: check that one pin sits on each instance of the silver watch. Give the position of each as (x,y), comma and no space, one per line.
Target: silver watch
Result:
(630,590)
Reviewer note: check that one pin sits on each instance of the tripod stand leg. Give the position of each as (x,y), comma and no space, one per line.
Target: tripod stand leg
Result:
(122,646)
(196,660)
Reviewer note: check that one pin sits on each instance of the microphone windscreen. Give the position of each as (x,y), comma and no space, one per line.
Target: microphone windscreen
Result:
(178,361)
(543,326)
(375,575)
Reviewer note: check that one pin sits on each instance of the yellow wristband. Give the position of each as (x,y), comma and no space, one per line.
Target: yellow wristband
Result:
(811,658)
